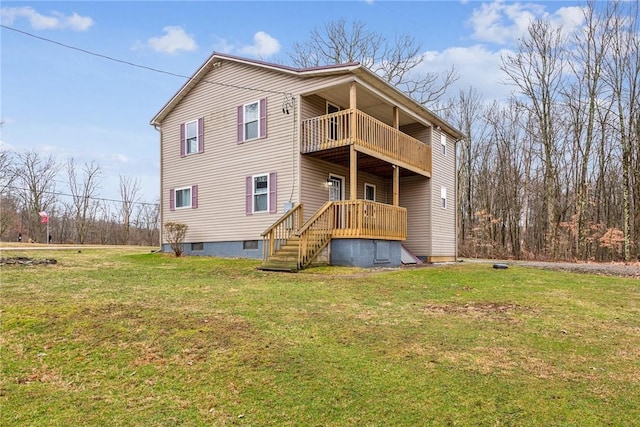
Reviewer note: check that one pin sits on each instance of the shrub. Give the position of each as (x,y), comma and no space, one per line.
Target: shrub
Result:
(175,233)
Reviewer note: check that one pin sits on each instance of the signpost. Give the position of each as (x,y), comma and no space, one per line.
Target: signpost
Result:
(45,220)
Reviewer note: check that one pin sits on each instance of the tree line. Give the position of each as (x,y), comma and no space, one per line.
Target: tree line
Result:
(29,184)
(554,171)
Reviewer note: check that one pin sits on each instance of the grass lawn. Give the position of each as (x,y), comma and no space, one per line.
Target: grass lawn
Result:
(119,338)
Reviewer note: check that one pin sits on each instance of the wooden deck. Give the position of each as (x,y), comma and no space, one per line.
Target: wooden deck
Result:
(290,245)
(369,136)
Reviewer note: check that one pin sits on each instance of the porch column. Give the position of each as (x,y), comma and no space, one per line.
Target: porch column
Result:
(396,118)
(353,155)
(396,185)
(353,172)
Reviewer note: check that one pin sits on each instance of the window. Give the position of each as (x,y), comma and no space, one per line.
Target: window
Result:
(185,197)
(261,193)
(370,192)
(197,246)
(252,121)
(443,197)
(192,137)
(443,143)
(249,245)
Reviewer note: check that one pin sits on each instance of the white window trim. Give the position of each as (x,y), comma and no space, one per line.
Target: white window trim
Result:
(244,121)
(186,138)
(366,184)
(443,143)
(175,195)
(253,193)
(332,105)
(343,190)
(443,197)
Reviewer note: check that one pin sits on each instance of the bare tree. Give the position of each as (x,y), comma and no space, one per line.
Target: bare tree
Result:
(622,76)
(395,62)
(129,189)
(84,190)
(8,204)
(590,46)
(148,222)
(536,70)
(466,112)
(36,177)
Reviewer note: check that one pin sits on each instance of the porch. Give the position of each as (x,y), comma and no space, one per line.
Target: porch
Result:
(291,244)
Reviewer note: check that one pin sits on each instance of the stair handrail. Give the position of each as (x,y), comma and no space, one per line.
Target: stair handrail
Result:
(281,230)
(313,238)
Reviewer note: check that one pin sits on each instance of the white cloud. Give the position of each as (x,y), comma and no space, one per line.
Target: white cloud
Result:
(502,23)
(56,21)
(476,65)
(173,40)
(119,158)
(263,45)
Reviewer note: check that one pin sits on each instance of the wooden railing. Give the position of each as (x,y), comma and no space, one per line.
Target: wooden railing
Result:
(284,228)
(369,220)
(377,138)
(355,219)
(315,234)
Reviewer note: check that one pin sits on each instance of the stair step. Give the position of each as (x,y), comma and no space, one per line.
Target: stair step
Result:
(279,266)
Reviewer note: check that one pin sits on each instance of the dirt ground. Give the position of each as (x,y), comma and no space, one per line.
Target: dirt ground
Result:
(607,269)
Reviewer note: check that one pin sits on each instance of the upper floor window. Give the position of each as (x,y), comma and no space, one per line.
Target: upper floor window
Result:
(192,137)
(443,197)
(443,143)
(252,121)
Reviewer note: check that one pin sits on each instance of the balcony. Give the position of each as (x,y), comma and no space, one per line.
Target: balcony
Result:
(330,135)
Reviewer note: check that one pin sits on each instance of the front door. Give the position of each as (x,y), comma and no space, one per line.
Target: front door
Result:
(332,131)
(336,193)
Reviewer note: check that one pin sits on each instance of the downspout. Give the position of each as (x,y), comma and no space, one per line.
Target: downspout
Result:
(455,215)
(160,227)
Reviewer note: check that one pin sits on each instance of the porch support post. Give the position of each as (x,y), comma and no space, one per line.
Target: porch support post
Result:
(396,118)
(353,154)
(352,96)
(396,185)
(353,172)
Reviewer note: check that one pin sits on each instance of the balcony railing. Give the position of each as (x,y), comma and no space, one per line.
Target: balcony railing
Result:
(370,136)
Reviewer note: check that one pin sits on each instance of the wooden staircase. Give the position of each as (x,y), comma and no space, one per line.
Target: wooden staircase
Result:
(285,258)
(289,245)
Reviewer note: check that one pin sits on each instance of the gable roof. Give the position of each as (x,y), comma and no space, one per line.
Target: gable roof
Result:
(354,68)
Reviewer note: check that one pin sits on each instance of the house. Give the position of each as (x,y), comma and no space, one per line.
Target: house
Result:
(298,165)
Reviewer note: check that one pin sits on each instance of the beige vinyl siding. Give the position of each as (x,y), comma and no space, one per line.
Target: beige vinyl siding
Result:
(418,131)
(220,172)
(415,196)
(443,241)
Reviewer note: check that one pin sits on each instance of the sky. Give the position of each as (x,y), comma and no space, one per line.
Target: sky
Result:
(63,101)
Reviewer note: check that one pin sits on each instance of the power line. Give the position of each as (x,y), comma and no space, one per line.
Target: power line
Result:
(144,67)
(58,193)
